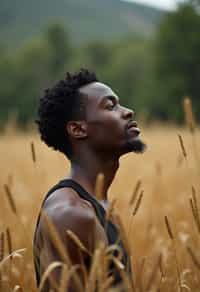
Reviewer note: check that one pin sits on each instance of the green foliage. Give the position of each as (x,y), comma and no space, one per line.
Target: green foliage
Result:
(31,70)
(97,54)
(41,62)
(150,76)
(126,71)
(177,65)
(58,47)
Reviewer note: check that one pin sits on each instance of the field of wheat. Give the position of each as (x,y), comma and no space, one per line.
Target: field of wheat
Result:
(164,181)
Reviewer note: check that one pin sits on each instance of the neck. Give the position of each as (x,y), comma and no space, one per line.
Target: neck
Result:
(86,167)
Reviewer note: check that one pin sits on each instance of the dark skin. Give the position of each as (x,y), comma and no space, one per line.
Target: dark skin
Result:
(98,141)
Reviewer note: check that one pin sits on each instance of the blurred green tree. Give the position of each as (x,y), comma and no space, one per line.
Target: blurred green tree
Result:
(177,62)
(126,72)
(40,62)
(8,75)
(97,54)
(33,68)
(59,48)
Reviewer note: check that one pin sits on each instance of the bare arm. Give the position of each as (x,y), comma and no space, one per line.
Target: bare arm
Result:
(67,211)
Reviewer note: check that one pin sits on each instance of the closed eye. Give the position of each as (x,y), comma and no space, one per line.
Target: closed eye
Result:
(110,105)
(111,102)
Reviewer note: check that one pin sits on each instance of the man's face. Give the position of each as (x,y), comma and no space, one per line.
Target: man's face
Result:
(110,126)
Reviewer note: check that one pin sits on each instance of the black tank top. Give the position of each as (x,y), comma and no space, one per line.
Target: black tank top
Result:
(109,228)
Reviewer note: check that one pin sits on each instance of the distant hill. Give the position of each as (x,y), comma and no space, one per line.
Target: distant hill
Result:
(21,20)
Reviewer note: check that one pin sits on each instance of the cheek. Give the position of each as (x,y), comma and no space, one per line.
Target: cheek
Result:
(107,130)
(114,130)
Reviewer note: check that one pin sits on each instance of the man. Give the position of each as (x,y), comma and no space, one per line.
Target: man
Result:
(83,119)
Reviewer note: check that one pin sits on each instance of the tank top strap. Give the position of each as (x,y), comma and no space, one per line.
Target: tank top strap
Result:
(111,229)
(99,210)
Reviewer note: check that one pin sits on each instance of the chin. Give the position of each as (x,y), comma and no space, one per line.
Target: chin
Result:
(136,145)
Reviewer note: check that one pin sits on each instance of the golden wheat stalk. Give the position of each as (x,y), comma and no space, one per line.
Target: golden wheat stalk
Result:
(13,207)
(189,116)
(169,230)
(135,192)
(2,246)
(161,266)
(63,278)
(46,274)
(103,271)
(193,209)
(77,241)
(170,233)
(2,243)
(196,206)
(60,246)
(66,276)
(193,257)
(138,203)
(108,283)
(56,239)
(140,280)
(10,199)
(123,234)
(195,214)
(134,212)
(177,268)
(142,264)
(15,253)
(117,262)
(18,288)
(127,284)
(110,209)
(182,146)
(114,248)
(109,212)
(153,274)
(194,195)
(162,277)
(9,240)
(190,120)
(99,186)
(93,276)
(33,153)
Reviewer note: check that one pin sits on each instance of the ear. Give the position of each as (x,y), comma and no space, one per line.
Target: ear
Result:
(77,129)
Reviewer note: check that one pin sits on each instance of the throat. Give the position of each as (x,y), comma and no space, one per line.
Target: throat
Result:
(86,175)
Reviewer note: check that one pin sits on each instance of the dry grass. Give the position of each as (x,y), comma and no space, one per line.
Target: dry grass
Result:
(169,182)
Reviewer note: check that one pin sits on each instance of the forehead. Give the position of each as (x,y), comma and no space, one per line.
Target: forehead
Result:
(97,90)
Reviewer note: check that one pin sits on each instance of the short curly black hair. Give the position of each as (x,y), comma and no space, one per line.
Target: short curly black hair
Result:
(60,104)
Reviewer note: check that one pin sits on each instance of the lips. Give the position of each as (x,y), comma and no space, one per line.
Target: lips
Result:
(132,126)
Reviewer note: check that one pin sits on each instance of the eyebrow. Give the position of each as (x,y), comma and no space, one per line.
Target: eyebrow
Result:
(110,97)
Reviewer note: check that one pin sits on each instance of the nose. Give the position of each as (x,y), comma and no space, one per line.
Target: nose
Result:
(127,113)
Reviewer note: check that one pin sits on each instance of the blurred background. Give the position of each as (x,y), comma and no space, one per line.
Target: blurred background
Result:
(148,51)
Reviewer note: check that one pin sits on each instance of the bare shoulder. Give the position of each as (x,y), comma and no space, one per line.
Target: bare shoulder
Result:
(66,201)
(67,211)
